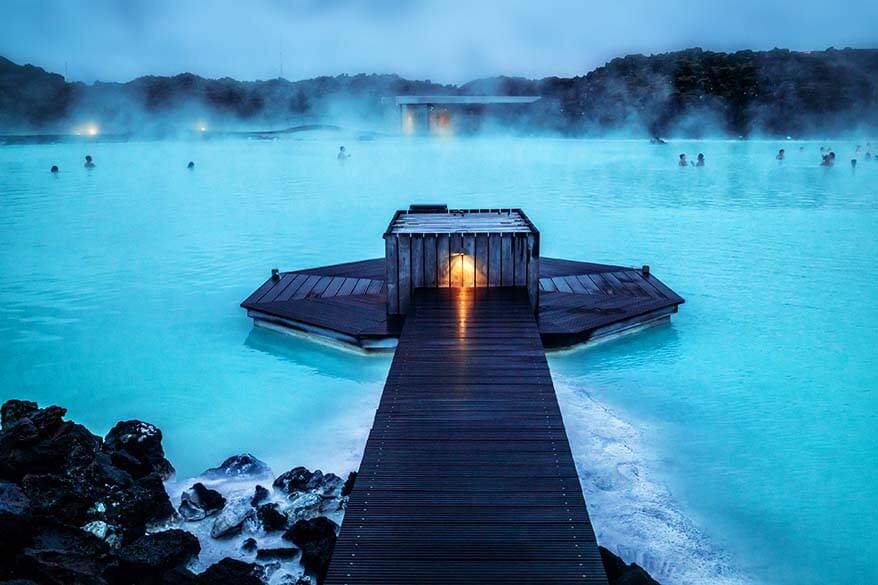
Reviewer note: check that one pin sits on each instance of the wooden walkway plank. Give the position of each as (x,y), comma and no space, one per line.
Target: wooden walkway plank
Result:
(467,474)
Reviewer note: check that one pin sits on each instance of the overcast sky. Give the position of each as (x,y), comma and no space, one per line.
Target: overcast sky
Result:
(442,40)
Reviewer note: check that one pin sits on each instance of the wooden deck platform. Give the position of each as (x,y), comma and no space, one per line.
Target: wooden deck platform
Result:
(467,475)
(579,301)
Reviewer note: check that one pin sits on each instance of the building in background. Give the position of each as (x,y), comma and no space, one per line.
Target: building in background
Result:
(456,114)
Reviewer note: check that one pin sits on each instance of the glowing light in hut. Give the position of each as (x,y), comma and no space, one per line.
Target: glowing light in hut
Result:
(408,123)
(87,130)
(463,270)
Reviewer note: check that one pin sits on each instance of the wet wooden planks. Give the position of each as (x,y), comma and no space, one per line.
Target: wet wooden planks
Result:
(467,475)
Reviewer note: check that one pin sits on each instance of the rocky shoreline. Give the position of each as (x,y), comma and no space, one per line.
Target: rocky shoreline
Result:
(76,508)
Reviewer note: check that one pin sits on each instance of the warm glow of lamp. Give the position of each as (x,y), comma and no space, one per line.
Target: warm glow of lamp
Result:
(463,270)
(408,123)
(87,130)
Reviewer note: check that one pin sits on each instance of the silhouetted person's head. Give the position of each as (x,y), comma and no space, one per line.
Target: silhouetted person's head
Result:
(88,158)
(191,165)
(781,151)
(341,149)
(832,155)
(54,168)
(700,156)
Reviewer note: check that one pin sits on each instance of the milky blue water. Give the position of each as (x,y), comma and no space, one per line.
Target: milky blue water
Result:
(736,444)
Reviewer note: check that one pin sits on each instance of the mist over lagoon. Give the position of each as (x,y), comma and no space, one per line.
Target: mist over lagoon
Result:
(160,161)
(647,413)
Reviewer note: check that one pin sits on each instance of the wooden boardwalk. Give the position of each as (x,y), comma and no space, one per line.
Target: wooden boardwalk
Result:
(467,475)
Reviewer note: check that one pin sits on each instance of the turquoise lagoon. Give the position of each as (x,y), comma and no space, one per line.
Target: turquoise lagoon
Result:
(736,444)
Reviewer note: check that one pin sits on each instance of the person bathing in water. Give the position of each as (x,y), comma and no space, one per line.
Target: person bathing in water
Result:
(342,153)
(780,154)
(683,162)
(828,160)
(868,155)
(89,164)
(700,161)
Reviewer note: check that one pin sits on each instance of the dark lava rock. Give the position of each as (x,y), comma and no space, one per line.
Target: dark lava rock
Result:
(62,470)
(277,554)
(239,467)
(153,554)
(231,572)
(260,496)
(294,480)
(272,520)
(199,502)
(59,497)
(13,410)
(15,516)
(329,485)
(300,479)
(316,539)
(249,545)
(40,441)
(60,555)
(132,508)
(620,573)
(312,530)
(136,447)
(348,486)
(179,576)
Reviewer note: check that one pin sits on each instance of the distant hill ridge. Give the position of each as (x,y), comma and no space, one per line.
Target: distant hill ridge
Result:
(691,92)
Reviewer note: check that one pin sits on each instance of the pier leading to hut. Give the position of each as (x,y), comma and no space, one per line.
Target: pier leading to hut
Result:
(467,474)
(431,246)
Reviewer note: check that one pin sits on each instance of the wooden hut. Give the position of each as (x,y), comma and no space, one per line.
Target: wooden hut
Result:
(433,246)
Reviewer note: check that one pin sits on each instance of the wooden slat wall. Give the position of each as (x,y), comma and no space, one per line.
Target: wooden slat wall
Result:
(506,264)
(435,260)
(444,272)
(417,262)
(519,261)
(392,268)
(405,274)
(431,268)
(482,260)
(494,264)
